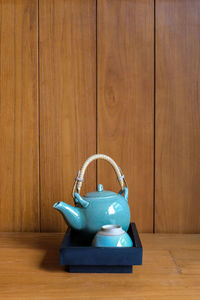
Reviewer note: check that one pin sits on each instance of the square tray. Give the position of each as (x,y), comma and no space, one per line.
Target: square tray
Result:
(80,257)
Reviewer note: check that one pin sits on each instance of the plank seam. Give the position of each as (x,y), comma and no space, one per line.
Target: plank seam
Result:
(38,87)
(96,91)
(154,123)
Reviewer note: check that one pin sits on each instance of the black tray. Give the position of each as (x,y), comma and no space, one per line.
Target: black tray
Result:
(79,257)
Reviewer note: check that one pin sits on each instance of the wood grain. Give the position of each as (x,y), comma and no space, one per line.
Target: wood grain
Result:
(125,100)
(29,269)
(18,116)
(67,46)
(177,116)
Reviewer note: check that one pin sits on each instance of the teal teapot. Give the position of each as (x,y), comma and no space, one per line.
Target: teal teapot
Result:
(97,208)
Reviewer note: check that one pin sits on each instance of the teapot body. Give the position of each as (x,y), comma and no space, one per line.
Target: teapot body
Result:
(96,208)
(101,211)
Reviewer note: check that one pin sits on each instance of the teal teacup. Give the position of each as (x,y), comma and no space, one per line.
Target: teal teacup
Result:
(112,236)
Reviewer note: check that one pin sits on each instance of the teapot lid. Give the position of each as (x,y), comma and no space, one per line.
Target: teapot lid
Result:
(100,193)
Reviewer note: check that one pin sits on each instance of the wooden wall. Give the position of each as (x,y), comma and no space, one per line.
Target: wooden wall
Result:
(19,116)
(107,76)
(177,135)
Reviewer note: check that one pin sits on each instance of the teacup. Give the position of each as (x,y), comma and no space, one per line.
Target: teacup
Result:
(112,236)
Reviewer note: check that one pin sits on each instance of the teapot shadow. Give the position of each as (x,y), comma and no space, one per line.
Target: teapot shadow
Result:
(47,244)
(51,261)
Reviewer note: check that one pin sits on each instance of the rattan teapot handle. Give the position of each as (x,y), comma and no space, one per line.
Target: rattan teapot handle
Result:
(79,179)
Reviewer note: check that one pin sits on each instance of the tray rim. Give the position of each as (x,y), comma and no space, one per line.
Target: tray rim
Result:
(136,242)
(102,256)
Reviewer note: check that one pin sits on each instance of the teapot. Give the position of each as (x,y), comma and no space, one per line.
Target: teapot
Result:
(97,208)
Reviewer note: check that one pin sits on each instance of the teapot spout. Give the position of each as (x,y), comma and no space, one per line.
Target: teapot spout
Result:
(73,216)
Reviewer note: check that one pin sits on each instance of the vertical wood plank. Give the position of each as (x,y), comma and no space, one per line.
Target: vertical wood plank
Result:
(18,116)
(67,101)
(126,100)
(177,116)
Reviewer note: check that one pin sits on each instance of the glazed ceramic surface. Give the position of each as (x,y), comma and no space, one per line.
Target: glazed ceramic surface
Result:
(112,236)
(96,209)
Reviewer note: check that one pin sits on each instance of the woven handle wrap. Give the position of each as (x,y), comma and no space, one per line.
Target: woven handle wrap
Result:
(79,179)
